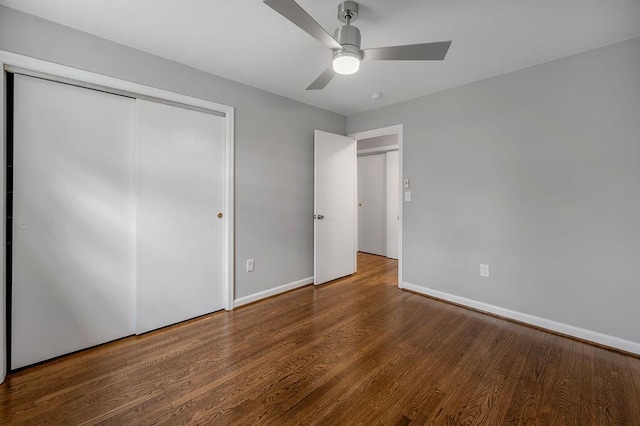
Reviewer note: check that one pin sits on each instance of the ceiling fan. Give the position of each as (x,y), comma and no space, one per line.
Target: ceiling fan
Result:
(345,42)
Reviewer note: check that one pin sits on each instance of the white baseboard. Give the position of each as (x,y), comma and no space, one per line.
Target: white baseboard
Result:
(271,292)
(569,330)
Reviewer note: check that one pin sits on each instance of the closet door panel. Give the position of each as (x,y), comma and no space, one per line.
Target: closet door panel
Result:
(371,204)
(180,193)
(73,219)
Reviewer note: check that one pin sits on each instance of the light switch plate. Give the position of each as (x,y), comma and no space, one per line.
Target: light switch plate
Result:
(407,195)
(406,183)
(484,271)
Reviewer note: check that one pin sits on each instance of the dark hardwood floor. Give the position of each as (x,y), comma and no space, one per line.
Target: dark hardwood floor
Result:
(355,351)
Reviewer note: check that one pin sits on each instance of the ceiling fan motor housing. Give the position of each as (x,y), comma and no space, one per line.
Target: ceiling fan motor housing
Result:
(348,35)
(349,38)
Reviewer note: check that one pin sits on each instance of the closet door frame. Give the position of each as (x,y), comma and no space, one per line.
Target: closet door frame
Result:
(35,67)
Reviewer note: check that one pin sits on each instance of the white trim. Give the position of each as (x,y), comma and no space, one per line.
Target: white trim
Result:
(272,292)
(40,66)
(16,60)
(384,131)
(566,329)
(229,214)
(355,206)
(315,209)
(378,150)
(401,206)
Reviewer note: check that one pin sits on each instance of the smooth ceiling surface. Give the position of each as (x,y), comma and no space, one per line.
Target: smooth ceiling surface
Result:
(245,40)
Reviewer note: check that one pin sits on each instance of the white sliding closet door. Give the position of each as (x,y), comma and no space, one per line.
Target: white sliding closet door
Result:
(372,204)
(73,219)
(181,173)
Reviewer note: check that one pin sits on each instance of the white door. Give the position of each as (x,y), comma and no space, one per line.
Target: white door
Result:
(334,206)
(372,209)
(73,220)
(393,204)
(181,169)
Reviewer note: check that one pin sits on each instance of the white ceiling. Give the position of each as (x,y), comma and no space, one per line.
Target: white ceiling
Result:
(247,41)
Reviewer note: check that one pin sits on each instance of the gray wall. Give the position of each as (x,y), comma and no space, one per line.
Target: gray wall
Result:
(274,142)
(536,173)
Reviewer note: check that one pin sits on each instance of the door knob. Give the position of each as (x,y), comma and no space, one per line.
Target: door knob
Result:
(319,216)
(220,215)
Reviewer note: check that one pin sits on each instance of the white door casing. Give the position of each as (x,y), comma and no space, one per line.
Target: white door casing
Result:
(335,181)
(393,201)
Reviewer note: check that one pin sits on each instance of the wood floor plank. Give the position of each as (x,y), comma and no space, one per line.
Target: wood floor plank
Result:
(355,351)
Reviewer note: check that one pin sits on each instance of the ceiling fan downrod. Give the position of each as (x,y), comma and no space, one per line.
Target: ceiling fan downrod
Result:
(348,12)
(348,35)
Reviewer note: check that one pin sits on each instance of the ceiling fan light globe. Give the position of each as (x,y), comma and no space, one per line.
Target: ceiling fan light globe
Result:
(346,64)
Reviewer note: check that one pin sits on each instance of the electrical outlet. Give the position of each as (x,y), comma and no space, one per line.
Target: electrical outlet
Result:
(249,265)
(484,271)
(407,195)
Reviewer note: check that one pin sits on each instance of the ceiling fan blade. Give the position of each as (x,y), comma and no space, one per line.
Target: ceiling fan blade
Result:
(294,13)
(324,79)
(410,52)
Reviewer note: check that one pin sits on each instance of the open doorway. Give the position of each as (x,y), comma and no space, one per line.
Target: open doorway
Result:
(379,196)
